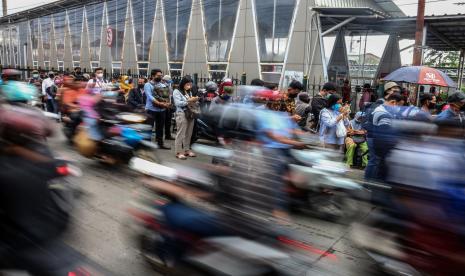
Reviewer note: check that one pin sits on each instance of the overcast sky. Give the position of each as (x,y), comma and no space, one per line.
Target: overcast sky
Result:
(374,45)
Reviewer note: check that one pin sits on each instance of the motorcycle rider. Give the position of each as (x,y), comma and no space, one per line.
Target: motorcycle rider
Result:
(71,91)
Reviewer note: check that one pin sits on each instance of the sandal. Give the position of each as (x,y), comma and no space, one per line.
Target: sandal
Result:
(181,156)
(190,153)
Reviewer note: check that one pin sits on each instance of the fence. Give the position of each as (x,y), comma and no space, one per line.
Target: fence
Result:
(199,79)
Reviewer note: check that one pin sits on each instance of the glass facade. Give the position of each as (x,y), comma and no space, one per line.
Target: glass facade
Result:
(45,29)
(116,10)
(59,20)
(274,22)
(23,32)
(34,31)
(220,18)
(143,14)
(94,24)
(75,27)
(177,16)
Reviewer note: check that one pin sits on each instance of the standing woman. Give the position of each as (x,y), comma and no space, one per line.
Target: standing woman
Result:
(182,97)
(330,117)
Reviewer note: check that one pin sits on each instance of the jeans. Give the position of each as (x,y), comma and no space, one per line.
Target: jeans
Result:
(157,118)
(180,219)
(52,106)
(168,118)
(371,171)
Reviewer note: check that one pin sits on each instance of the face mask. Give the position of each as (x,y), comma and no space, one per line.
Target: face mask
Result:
(292,96)
(35,76)
(78,72)
(126,82)
(431,105)
(51,76)
(157,79)
(99,75)
(225,97)
(337,106)
(140,86)
(393,109)
(327,96)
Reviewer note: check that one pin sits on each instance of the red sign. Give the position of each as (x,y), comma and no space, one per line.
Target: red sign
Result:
(109,36)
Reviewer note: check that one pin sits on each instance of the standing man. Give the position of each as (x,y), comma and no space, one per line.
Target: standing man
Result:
(373,159)
(319,102)
(155,105)
(136,97)
(78,74)
(49,90)
(169,111)
(346,91)
(99,82)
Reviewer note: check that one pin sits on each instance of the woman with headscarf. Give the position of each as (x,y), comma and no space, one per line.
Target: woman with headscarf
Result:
(356,137)
(330,117)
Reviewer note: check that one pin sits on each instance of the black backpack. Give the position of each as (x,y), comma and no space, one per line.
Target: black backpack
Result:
(52,91)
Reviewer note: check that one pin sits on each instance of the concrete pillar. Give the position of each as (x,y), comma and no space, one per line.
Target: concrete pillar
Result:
(40,47)
(158,55)
(105,51)
(304,50)
(244,55)
(68,58)
(53,47)
(85,46)
(390,60)
(129,58)
(338,65)
(195,54)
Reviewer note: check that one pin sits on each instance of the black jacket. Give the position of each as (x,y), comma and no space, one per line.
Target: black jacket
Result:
(136,98)
(318,103)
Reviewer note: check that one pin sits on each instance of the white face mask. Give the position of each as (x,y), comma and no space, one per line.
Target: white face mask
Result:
(99,75)
(35,76)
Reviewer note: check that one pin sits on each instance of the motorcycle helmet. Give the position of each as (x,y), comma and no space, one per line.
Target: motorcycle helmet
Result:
(15,91)
(11,74)
(211,86)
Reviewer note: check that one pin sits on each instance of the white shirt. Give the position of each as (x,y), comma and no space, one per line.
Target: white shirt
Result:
(101,84)
(46,84)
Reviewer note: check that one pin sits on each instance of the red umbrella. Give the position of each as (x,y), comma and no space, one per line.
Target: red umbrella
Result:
(421,75)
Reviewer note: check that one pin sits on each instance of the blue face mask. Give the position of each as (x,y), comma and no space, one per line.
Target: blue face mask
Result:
(337,106)
(225,97)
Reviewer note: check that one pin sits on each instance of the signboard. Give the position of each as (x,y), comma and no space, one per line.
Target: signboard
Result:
(289,76)
(109,36)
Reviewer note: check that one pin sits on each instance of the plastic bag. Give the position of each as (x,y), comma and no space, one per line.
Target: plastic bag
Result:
(85,146)
(341,130)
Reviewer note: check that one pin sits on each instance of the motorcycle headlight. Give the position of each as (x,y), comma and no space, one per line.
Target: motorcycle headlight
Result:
(132,118)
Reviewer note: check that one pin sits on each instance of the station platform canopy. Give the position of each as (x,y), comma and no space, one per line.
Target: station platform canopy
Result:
(443,32)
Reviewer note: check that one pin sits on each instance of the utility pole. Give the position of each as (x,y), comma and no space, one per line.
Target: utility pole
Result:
(417,50)
(4,8)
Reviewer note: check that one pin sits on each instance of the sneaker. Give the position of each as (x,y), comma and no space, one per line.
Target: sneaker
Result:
(181,156)
(190,153)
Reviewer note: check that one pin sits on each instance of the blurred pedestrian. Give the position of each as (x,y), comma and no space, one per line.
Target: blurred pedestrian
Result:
(169,110)
(346,92)
(50,90)
(456,102)
(334,116)
(156,105)
(367,96)
(373,161)
(303,109)
(184,123)
(77,74)
(320,101)
(136,97)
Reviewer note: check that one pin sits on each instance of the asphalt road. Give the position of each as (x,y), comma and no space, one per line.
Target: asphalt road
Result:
(98,232)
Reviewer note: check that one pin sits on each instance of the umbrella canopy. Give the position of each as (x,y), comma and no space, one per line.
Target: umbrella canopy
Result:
(421,75)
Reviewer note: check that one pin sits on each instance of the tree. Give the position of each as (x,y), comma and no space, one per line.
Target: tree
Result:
(436,58)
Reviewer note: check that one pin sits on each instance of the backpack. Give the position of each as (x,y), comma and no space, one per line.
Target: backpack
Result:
(52,91)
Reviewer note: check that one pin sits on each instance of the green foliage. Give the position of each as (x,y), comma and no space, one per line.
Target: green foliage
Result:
(435,58)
